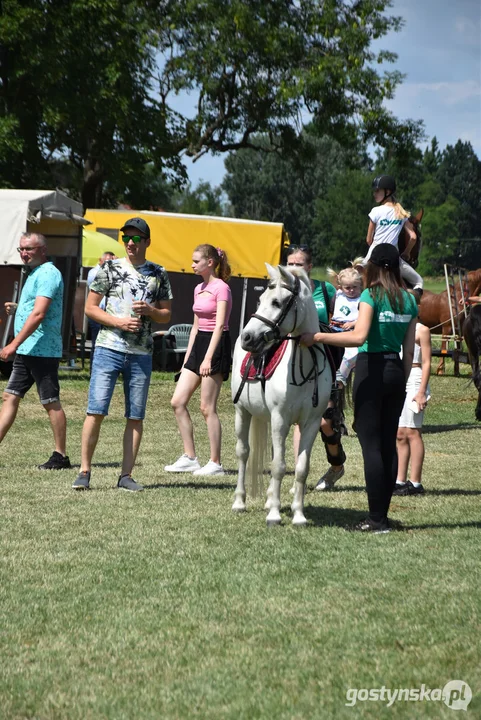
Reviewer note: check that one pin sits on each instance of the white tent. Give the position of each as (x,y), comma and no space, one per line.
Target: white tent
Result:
(22,209)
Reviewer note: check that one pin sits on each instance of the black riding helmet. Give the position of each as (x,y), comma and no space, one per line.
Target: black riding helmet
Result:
(386,183)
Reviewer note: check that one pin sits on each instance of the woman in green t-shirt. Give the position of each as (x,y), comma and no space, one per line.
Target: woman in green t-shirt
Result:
(386,323)
(323,295)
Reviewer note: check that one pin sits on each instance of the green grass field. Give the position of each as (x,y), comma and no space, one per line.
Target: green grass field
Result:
(164,604)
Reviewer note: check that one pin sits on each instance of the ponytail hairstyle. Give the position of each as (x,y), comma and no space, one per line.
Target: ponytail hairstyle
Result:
(399,211)
(349,274)
(221,265)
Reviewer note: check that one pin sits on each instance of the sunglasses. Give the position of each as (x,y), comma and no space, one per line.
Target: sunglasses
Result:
(135,239)
(28,249)
(294,248)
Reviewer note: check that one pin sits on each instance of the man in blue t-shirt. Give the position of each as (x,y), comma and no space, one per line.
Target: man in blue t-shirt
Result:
(37,345)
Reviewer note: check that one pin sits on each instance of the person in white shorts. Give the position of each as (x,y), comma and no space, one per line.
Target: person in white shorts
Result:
(410,444)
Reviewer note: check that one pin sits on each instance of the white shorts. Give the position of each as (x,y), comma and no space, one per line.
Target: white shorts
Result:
(409,418)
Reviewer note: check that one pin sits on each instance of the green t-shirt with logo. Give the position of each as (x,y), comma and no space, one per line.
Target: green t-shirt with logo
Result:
(320,302)
(388,327)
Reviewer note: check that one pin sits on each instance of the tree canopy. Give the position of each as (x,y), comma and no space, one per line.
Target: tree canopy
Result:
(93,103)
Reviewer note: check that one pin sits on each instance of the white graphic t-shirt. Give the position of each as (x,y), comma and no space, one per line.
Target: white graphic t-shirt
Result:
(346,309)
(388,226)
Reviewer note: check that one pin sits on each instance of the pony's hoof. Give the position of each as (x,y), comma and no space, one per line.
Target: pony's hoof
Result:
(273,523)
(239,503)
(238,507)
(299,521)
(274,518)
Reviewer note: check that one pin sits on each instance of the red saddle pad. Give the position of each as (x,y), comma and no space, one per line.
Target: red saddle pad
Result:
(272,362)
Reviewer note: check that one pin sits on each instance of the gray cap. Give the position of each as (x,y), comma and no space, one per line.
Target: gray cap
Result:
(139,225)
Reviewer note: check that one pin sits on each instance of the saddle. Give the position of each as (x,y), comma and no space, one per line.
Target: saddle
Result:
(262,367)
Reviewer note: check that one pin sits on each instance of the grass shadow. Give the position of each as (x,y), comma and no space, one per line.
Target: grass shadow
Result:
(192,486)
(427,429)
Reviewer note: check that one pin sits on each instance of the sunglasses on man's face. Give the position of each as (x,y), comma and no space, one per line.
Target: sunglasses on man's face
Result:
(135,239)
(28,248)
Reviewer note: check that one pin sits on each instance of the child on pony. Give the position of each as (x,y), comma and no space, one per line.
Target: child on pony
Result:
(385,224)
(344,316)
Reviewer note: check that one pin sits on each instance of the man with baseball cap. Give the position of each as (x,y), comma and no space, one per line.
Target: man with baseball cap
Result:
(137,291)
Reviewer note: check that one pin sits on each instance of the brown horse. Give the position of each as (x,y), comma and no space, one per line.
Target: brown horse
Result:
(434,310)
(415,221)
(472,336)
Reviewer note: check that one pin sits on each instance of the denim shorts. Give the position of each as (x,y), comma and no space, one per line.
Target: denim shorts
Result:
(107,366)
(30,369)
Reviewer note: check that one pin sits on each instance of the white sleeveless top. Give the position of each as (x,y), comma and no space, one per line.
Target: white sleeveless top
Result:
(417,356)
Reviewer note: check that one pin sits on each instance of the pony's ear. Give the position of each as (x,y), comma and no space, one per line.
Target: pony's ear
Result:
(285,274)
(304,277)
(419,216)
(272,271)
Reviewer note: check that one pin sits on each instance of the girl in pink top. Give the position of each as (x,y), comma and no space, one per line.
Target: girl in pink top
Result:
(207,359)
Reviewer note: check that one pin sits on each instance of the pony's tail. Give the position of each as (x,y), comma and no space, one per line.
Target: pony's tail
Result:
(259,434)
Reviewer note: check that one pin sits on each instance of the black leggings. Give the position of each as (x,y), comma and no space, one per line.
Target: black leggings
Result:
(379,393)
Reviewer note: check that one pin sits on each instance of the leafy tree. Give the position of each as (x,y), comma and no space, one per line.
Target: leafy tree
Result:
(279,188)
(90,102)
(459,174)
(342,220)
(203,200)
(440,237)
(76,97)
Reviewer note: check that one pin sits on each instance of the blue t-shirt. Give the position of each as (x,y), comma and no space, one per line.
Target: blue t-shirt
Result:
(46,341)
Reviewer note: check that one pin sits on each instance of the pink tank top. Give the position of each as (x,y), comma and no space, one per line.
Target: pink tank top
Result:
(206,297)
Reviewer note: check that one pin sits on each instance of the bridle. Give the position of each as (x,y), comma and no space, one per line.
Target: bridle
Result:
(275,333)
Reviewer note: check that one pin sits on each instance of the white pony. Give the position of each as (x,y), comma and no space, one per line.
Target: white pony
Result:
(297,392)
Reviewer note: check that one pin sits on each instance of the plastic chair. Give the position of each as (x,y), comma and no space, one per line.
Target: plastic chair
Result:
(179,340)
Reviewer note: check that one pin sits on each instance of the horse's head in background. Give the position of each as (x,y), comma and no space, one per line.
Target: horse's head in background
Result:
(415,221)
(285,308)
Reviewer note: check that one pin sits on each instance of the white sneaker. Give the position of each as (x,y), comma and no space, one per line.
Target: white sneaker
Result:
(184,464)
(212,468)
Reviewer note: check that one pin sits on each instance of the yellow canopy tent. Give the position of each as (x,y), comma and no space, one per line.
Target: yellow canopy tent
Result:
(95,244)
(248,243)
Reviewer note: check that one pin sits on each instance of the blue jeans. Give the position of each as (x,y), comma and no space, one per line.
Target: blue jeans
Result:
(107,366)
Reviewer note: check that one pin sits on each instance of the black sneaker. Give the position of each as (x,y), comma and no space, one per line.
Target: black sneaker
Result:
(371,526)
(82,481)
(56,461)
(408,489)
(128,483)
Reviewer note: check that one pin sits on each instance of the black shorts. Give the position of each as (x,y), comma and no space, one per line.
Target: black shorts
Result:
(221,360)
(29,369)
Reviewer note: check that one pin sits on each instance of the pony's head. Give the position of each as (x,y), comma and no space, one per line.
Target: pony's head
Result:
(285,308)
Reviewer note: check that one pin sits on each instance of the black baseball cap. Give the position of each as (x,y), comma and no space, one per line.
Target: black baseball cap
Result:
(386,256)
(139,225)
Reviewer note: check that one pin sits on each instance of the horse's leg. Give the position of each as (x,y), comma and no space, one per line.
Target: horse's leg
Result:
(308,435)
(280,429)
(440,367)
(242,425)
(269,493)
